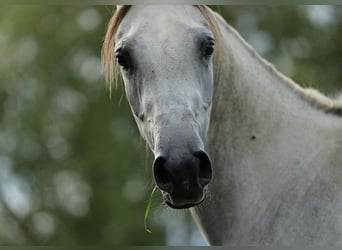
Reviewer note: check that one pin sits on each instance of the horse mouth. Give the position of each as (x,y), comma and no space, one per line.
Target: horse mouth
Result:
(182,206)
(186,206)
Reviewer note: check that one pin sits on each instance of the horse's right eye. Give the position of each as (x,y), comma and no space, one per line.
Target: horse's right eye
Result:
(122,58)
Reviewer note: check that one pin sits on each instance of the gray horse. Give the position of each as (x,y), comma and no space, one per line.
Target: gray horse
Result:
(197,89)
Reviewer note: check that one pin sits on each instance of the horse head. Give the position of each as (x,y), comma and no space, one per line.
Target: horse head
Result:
(165,60)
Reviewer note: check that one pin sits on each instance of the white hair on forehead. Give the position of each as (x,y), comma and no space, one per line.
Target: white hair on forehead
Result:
(109,66)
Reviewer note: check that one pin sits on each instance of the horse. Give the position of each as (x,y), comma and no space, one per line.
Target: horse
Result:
(256,158)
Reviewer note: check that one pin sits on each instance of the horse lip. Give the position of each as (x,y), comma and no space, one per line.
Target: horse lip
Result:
(185,206)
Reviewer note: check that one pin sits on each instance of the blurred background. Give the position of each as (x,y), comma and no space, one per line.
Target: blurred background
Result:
(73,168)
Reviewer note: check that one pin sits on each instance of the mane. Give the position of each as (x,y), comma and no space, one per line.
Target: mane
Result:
(312,96)
(108,62)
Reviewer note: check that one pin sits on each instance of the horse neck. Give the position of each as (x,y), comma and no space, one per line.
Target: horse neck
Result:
(261,135)
(253,103)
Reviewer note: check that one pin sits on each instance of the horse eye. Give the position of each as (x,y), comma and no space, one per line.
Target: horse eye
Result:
(209,47)
(122,58)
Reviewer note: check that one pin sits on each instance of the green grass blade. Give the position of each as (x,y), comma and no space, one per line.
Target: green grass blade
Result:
(148,208)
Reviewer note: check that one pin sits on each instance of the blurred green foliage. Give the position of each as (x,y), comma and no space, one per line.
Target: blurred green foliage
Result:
(73,169)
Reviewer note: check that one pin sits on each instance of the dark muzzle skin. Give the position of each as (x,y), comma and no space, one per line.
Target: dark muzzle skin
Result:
(182,169)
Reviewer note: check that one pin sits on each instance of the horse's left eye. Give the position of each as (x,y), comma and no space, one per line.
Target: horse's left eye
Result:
(209,47)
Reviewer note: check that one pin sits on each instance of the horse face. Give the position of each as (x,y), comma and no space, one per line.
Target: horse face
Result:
(165,54)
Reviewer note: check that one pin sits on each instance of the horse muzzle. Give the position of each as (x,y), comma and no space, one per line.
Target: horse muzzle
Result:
(183,177)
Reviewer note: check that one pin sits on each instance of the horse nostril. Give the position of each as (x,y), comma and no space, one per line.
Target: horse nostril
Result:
(162,175)
(205,170)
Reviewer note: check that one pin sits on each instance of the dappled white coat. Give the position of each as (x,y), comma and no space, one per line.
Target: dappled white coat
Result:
(276,148)
(277,156)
